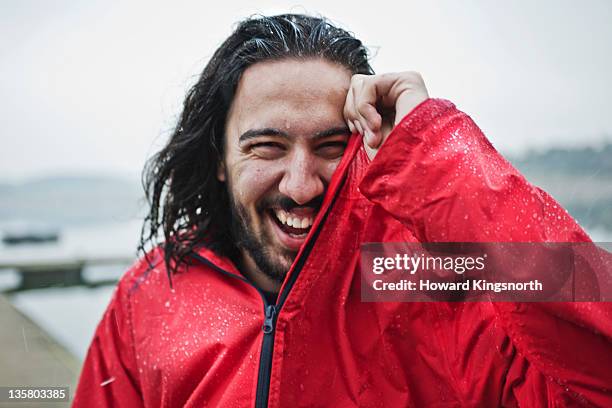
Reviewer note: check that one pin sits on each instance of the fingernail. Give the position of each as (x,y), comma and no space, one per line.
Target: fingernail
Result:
(370,137)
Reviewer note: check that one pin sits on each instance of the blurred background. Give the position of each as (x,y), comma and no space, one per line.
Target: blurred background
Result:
(92,88)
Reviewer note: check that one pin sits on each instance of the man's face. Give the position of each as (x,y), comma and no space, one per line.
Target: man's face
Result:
(285,135)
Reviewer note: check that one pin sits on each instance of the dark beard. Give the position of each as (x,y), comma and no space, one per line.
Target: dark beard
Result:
(255,246)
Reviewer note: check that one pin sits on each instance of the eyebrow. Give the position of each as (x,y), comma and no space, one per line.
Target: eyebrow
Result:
(253,133)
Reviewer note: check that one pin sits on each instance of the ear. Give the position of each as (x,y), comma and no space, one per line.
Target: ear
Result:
(221,171)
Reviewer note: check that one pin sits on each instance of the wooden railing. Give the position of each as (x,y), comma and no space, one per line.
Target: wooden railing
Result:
(41,273)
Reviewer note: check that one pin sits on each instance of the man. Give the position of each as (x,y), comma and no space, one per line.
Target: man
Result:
(265,193)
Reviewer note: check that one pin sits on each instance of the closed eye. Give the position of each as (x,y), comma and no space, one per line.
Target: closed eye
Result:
(332,149)
(267,150)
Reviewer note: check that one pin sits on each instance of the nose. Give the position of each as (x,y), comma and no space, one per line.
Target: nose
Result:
(302,180)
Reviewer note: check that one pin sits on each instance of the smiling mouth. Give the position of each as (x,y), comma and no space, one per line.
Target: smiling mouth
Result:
(294,225)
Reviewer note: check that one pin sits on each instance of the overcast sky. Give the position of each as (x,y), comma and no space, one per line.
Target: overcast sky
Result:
(95,86)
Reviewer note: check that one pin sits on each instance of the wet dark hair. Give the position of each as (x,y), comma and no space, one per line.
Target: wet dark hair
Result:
(185,198)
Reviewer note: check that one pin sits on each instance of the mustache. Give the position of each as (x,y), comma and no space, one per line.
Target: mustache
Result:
(288,204)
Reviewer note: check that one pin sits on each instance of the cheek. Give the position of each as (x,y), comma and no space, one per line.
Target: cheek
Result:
(328,168)
(251,182)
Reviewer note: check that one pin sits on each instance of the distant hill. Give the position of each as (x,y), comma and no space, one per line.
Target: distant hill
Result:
(60,201)
(580,179)
(581,161)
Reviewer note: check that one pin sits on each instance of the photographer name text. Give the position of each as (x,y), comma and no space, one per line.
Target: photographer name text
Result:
(471,285)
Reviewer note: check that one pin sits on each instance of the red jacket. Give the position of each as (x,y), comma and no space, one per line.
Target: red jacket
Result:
(211,340)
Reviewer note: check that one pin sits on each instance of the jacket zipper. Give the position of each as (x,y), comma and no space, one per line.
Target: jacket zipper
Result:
(269,324)
(265,358)
(271,311)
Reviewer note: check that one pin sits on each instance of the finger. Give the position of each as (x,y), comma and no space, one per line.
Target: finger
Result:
(365,98)
(356,123)
(361,124)
(359,127)
(355,90)
(403,91)
(369,134)
(351,126)
(349,111)
(365,101)
(354,118)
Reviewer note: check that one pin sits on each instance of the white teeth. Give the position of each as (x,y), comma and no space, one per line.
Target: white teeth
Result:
(293,221)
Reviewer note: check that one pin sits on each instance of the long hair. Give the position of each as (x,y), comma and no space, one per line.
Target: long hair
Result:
(186,201)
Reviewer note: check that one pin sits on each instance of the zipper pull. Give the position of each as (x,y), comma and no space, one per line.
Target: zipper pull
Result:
(268,325)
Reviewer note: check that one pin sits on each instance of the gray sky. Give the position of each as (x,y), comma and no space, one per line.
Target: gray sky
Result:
(95,86)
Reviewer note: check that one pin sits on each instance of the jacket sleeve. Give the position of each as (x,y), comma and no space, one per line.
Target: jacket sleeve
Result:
(109,374)
(440,176)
